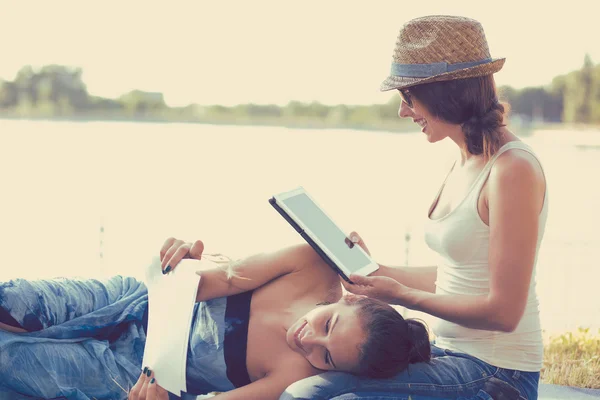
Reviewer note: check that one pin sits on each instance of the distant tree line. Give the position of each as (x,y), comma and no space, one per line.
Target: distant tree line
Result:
(570,98)
(57,91)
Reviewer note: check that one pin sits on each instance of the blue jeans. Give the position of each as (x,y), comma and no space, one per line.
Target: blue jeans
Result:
(449,375)
(86,338)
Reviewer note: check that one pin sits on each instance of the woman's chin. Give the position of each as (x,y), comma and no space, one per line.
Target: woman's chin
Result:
(430,138)
(289,335)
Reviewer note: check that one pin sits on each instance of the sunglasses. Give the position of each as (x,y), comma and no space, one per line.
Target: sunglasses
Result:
(406,97)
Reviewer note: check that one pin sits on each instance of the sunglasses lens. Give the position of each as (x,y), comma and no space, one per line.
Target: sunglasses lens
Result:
(406,98)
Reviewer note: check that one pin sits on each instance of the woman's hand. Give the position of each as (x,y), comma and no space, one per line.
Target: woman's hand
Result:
(175,250)
(378,287)
(354,238)
(147,388)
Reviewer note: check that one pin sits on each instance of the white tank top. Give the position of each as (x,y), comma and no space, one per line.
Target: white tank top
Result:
(461,239)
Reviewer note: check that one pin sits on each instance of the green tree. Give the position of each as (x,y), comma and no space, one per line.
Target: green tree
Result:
(9,95)
(140,103)
(578,93)
(390,109)
(338,115)
(586,82)
(595,96)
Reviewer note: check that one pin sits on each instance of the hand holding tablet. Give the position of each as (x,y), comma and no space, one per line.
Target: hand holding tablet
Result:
(325,237)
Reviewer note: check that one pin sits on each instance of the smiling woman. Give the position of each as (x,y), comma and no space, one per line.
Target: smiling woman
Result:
(259,325)
(486,224)
(471,103)
(329,336)
(349,335)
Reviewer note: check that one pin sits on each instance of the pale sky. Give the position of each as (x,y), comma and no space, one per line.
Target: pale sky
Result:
(273,51)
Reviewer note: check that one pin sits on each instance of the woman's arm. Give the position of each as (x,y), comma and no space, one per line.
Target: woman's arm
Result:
(515,196)
(421,278)
(253,272)
(271,386)
(263,389)
(243,275)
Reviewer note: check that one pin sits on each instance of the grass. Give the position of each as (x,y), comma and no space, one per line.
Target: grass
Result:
(573,359)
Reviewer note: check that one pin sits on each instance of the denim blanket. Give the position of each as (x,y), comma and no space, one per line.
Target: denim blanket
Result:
(85,341)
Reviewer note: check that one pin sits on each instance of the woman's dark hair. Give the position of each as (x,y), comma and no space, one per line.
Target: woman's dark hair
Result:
(391,343)
(473,103)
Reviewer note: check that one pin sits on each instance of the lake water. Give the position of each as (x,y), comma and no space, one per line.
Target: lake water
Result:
(99,198)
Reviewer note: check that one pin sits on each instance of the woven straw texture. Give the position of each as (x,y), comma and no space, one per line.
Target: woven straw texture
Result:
(440,38)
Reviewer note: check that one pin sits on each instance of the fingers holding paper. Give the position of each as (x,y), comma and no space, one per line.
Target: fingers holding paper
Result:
(147,388)
(175,250)
(140,389)
(155,391)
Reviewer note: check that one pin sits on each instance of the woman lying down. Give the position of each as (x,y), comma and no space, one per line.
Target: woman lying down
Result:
(259,325)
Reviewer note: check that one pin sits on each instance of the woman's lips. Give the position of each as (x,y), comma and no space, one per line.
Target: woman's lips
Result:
(297,336)
(422,123)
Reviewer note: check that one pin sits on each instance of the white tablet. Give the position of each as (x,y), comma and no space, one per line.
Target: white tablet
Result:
(319,230)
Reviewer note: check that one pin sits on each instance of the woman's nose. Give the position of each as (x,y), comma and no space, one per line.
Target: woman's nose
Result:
(404,110)
(312,340)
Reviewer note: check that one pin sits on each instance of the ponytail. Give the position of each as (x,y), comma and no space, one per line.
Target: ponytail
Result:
(420,347)
(480,130)
(391,343)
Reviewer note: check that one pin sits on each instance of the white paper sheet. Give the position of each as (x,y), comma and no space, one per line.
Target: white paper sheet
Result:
(171,299)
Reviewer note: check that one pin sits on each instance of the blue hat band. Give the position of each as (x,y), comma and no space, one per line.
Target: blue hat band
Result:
(429,70)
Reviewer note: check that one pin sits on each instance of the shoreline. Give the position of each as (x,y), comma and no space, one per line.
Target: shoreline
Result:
(383,125)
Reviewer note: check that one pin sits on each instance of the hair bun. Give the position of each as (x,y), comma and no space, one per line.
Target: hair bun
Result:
(482,125)
(490,118)
(420,350)
(475,125)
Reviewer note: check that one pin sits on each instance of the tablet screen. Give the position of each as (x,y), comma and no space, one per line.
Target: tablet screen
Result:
(326,231)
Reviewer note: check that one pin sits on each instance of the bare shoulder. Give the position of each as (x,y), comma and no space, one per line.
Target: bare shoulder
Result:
(309,278)
(292,368)
(516,166)
(272,385)
(517,176)
(294,258)
(288,371)
(308,262)
(303,255)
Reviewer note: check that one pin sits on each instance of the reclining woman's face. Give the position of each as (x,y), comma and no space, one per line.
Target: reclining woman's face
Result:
(329,337)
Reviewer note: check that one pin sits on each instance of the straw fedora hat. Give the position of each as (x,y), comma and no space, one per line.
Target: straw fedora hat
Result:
(440,48)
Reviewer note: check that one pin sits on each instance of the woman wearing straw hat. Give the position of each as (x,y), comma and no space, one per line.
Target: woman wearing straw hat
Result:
(486,223)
